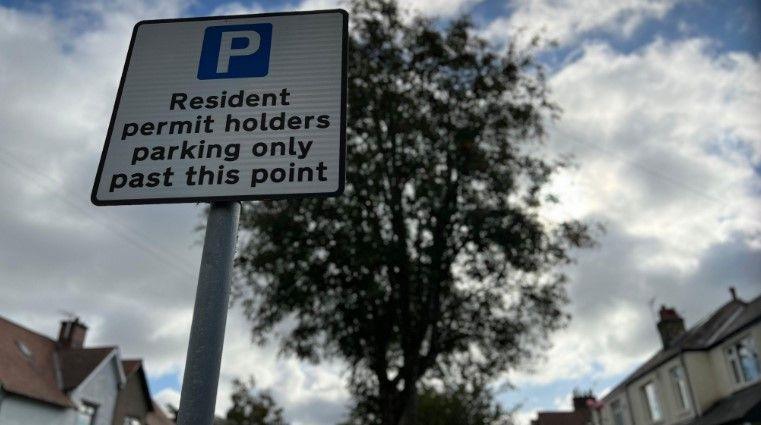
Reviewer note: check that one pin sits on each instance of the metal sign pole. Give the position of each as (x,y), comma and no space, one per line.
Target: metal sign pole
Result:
(207,333)
(157,169)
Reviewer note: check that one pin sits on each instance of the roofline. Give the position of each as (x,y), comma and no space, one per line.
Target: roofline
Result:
(739,330)
(629,379)
(146,387)
(39,400)
(18,325)
(143,380)
(112,355)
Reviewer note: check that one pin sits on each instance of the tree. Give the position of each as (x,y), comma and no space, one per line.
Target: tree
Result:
(459,405)
(252,408)
(436,262)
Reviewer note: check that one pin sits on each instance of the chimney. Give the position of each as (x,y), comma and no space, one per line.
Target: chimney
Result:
(72,334)
(733,292)
(583,400)
(670,326)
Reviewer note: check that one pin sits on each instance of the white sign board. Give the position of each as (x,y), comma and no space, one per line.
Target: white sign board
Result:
(229,108)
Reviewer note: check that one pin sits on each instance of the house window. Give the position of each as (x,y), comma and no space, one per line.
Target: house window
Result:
(24,350)
(86,414)
(650,395)
(743,361)
(129,420)
(618,413)
(679,383)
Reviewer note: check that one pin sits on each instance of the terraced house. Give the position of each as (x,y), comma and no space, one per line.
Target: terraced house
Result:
(45,381)
(706,375)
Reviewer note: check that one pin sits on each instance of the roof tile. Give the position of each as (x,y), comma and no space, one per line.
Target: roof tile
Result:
(32,376)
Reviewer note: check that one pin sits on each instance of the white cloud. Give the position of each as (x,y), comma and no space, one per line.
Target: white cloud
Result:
(666,133)
(665,139)
(166,397)
(524,417)
(58,80)
(564,402)
(567,20)
(440,8)
(311,394)
(434,8)
(129,272)
(238,8)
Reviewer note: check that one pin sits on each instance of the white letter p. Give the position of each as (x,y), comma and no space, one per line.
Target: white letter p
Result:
(226,47)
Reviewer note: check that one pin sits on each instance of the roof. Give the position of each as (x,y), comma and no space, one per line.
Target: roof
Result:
(135,367)
(78,363)
(744,406)
(577,417)
(33,376)
(723,323)
(34,366)
(131,366)
(155,415)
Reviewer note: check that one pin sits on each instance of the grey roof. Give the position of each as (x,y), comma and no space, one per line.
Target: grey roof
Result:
(743,406)
(728,320)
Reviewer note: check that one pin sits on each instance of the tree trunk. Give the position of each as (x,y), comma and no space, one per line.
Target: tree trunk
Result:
(409,414)
(398,407)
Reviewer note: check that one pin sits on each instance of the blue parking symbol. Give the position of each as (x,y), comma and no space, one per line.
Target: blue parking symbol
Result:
(235,51)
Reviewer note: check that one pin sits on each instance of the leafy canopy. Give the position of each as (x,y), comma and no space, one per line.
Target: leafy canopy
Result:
(252,408)
(469,404)
(436,261)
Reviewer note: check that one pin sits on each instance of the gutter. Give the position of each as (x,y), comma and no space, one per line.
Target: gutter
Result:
(47,402)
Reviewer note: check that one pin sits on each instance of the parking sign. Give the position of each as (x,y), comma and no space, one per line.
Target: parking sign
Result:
(229,108)
(250,56)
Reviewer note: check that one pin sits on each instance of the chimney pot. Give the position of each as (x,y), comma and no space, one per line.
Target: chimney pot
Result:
(733,292)
(668,313)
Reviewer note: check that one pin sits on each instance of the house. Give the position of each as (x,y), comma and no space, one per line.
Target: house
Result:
(134,405)
(583,403)
(45,381)
(706,375)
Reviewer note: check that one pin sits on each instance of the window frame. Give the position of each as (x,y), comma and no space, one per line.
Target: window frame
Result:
(681,387)
(734,360)
(655,398)
(617,412)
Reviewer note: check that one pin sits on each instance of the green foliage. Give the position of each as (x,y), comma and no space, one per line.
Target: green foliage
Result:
(460,405)
(252,408)
(435,263)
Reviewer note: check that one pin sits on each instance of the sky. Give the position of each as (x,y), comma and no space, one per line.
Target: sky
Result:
(660,103)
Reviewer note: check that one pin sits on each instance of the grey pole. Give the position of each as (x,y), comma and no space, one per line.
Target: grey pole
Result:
(207,333)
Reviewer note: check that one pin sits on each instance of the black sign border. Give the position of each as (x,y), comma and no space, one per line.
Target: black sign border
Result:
(200,199)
